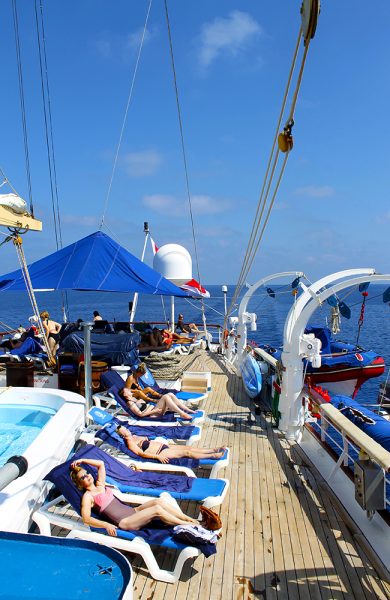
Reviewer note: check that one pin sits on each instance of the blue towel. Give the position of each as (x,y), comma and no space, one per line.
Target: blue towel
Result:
(121,475)
(156,533)
(29,346)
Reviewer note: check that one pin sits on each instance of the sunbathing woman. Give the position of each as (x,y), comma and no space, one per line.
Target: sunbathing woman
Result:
(146,448)
(141,408)
(115,514)
(170,338)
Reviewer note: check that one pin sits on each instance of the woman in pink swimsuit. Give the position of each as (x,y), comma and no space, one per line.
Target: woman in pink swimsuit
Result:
(115,514)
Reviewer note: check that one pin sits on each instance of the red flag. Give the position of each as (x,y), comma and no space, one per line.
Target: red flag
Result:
(154,246)
(194,287)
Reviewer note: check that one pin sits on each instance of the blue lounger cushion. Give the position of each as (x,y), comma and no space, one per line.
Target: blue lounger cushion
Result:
(173,432)
(200,490)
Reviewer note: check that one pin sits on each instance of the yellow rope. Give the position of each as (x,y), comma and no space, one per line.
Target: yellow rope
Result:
(255,238)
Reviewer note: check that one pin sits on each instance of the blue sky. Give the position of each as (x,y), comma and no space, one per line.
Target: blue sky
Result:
(232,61)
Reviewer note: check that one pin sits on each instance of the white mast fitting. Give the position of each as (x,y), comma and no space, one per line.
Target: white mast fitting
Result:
(245,318)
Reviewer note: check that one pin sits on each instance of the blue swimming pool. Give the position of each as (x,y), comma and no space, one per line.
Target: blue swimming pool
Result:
(19,426)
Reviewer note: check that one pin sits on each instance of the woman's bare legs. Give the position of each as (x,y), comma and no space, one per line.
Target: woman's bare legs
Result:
(155,509)
(178,402)
(187,452)
(166,403)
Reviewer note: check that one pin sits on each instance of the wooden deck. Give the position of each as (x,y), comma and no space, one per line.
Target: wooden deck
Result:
(283,536)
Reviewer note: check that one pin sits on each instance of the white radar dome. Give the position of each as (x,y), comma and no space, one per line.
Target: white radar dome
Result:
(173,262)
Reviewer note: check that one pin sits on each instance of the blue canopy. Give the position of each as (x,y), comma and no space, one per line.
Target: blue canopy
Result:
(94,263)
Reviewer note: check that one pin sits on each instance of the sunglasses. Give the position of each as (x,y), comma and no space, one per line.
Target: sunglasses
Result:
(83,477)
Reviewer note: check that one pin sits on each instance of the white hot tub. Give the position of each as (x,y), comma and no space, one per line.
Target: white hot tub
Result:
(58,417)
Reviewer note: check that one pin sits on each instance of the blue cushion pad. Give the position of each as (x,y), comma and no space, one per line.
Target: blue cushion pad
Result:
(200,490)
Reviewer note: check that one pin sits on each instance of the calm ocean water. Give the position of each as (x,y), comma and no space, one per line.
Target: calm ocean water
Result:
(375,333)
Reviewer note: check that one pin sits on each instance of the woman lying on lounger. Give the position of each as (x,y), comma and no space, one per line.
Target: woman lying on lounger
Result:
(170,338)
(114,513)
(146,448)
(141,408)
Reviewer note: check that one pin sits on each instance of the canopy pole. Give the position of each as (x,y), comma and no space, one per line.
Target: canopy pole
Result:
(173,313)
(135,297)
(87,328)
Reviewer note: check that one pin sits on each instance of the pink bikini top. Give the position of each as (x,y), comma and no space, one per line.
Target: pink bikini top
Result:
(103,499)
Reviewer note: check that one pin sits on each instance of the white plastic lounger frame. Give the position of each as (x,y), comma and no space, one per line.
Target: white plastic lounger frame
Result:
(45,518)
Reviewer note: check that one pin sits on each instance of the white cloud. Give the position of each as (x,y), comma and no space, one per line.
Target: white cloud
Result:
(133,40)
(111,45)
(201,205)
(81,220)
(230,35)
(104,47)
(142,164)
(313,191)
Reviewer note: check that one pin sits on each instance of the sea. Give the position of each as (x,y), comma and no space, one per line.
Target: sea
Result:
(271,314)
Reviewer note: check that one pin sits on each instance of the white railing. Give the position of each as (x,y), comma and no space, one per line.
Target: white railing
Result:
(350,442)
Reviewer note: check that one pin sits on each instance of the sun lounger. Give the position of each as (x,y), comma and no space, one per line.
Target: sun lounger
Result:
(148,380)
(139,542)
(174,431)
(209,492)
(109,435)
(169,417)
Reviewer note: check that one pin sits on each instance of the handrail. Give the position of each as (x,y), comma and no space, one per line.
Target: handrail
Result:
(265,356)
(361,439)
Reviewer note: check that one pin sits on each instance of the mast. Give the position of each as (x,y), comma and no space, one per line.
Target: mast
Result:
(135,297)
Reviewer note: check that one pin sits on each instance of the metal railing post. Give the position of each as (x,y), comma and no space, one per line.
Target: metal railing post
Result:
(87,328)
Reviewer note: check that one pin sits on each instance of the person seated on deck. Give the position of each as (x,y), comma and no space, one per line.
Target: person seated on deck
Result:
(97,316)
(12,343)
(52,331)
(142,408)
(185,327)
(152,449)
(145,393)
(114,513)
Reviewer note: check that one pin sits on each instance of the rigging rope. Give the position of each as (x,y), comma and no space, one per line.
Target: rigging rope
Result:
(285,143)
(184,157)
(49,137)
(22,104)
(45,90)
(17,240)
(125,117)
